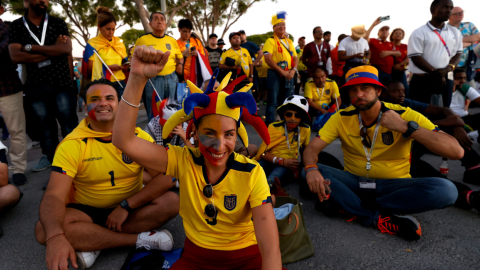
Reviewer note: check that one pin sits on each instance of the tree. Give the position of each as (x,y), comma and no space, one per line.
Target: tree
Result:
(261,38)
(207,15)
(130,36)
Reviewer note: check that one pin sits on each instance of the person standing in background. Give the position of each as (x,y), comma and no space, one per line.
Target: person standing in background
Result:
(337,66)
(214,52)
(238,61)
(189,46)
(400,63)
(77,81)
(316,53)
(302,69)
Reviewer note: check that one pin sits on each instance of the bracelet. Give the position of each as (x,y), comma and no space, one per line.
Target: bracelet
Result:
(280,161)
(311,166)
(136,106)
(56,235)
(311,169)
(274,160)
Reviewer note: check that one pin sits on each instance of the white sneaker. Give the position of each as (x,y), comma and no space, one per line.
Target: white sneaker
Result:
(473,135)
(161,240)
(86,259)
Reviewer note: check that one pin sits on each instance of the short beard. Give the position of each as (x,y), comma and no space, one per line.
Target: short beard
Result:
(367,106)
(39,11)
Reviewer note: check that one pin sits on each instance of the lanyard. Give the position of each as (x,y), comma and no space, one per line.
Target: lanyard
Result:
(240,55)
(286,45)
(318,92)
(298,140)
(441,39)
(44,31)
(377,127)
(319,52)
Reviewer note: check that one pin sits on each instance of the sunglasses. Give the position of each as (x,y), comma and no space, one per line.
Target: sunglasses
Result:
(296,115)
(458,13)
(365,139)
(210,209)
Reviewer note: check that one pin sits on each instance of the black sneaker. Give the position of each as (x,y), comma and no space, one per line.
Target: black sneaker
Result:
(474,200)
(463,192)
(332,209)
(19,179)
(472,176)
(405,226)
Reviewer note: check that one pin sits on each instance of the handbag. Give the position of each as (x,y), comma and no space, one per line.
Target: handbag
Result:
(295,243)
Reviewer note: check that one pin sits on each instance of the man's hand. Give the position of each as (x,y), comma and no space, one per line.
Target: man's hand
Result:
(398,66)
(61,39)
(384,54)
(289,74)
(194,53)
(461,135)
(125,67)
(393,121)
(376,22)
(178,130)
(250,79)
(58,252)
(148,62)
(116,219)
(442,72)
(292,164)
(358,55)
(316,184)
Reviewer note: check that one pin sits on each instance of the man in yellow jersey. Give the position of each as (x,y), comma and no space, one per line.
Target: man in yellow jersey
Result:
(281,58)
(376,186)
(238,61)
(106,205)
(166,81)
(302,69)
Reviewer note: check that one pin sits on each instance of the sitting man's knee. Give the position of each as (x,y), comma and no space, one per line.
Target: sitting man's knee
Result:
(445,191)
(169,200)
(11,195)
(40,233)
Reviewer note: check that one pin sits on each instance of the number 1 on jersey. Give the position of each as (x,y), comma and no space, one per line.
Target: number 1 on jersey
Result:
(112,178)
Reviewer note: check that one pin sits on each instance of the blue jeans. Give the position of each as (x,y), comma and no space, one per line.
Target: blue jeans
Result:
(277,93)
(165,85)
(272,171)
(392,196)
(49,105)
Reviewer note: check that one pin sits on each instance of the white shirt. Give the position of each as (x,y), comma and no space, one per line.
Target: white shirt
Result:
(351,46)
(424,42)
(458,101)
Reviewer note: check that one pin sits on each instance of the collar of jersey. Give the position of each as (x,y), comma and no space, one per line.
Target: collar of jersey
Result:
(201,162)
(382,109)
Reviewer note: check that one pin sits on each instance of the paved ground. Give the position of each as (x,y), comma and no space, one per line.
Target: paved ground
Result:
(451,237)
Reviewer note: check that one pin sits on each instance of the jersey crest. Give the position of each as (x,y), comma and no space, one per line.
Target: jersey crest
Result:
(169,47)
(230,202)
(126,159)
(387,138)
(327,92)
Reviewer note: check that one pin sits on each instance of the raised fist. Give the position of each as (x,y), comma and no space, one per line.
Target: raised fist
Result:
(148,62)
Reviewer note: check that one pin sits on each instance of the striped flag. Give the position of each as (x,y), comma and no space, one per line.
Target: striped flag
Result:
(155,104)
(200,70)
(87,53)
(100,70)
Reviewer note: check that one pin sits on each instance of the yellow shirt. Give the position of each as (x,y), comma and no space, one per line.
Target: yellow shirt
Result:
(111,57)
(301,65)
(241,56)
(243,187)
(263,69)
(165,43)
(329,93)
(279,52)
(391,152)
(277,133)
(102,175)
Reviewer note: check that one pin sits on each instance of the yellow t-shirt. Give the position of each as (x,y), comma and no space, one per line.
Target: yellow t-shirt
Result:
(241,56)
(263,69)
(111,57)
(279,52)
(165,43)
(102,175)
(391,152)
(277,131)
(301,65)
(329,93)
(243,187)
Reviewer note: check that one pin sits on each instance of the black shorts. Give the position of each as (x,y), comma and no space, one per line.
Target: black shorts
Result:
(98,215)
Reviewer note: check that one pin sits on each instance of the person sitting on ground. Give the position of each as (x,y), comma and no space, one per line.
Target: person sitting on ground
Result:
(107,206)
(376,138)
(322,93)
(226,204)
(449,122)
(282,161)
(10,195)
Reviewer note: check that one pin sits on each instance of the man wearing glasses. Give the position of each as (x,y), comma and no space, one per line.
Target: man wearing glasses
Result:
(376,186)
(470,35)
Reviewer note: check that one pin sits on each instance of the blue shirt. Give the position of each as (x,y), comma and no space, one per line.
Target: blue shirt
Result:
(467,29)
(415,105)
(251,47)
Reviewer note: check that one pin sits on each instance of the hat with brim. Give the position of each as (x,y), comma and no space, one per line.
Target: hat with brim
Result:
(220,42)
(295,103)
(385,26)
(359,31)
(362,75)
(234,34)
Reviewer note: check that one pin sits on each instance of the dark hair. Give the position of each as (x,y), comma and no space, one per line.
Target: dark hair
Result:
(104,16)
(395,30)
(342,36)
(433,5)
(391,82)
(316,27)
(156,12)
(185,23)
(83,93)
(320,68)
(459,70)
(327,33)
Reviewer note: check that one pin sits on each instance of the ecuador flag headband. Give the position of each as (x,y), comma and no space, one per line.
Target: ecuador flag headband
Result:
(240,106)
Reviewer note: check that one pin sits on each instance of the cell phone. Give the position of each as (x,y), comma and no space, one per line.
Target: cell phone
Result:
(385,18)
(127,63)
(193,48)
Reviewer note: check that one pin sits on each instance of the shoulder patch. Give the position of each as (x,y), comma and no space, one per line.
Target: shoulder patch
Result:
(242,167)
(329,80)
(349,113)
(304,125)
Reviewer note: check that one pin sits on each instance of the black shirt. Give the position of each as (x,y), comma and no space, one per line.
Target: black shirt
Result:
(214,56)
(58,72)
(251,47)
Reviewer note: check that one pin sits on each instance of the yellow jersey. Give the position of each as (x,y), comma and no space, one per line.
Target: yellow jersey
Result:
(111,57)
(280,54)
(242,187)
(391,152)
(328,93)
(241,56)
(277,134)
(102,175)
(165,43)
(301,65)
(263,69)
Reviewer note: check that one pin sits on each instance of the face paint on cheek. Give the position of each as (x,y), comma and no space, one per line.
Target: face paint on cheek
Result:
(209,141)
(354,100)
(206,155)
(91,111)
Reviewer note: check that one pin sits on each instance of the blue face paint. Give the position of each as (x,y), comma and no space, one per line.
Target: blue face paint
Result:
(208,141)
(91,111)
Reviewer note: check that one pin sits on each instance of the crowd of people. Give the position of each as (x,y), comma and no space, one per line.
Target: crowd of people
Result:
(113,184)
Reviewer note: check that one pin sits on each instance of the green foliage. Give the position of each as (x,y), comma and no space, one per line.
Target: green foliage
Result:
(130,36)
(261,38)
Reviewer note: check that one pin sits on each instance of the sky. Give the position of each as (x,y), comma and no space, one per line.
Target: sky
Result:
(335,16)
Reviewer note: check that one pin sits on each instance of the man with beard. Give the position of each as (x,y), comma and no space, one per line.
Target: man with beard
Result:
(43,44)
(376,186)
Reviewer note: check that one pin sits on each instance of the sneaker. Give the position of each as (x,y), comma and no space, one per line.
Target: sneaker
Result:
(405,226)
(161,240)
(43,164)
(472,176)
(474,199)
(473,135)
(86,259)
(331,209)
(19,179)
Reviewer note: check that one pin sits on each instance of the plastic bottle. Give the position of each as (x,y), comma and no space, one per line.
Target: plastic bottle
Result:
(444,167)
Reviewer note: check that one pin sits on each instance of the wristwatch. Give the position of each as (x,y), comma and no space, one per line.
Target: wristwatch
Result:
(28,47)
(251,76)
(412,127)
(453,66)
(124,205)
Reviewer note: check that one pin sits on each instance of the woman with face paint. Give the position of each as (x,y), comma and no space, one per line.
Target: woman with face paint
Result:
(110,48)
(225,201)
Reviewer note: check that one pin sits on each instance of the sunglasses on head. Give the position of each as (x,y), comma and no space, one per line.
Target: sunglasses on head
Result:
(365,139)
(296,115)
(210,209)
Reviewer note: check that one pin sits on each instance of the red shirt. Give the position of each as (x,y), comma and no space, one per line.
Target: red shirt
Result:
(310,57)
(376,47)
(337,67)
(403,49)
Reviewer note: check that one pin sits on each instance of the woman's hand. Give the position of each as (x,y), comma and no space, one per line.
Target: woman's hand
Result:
(148,62)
